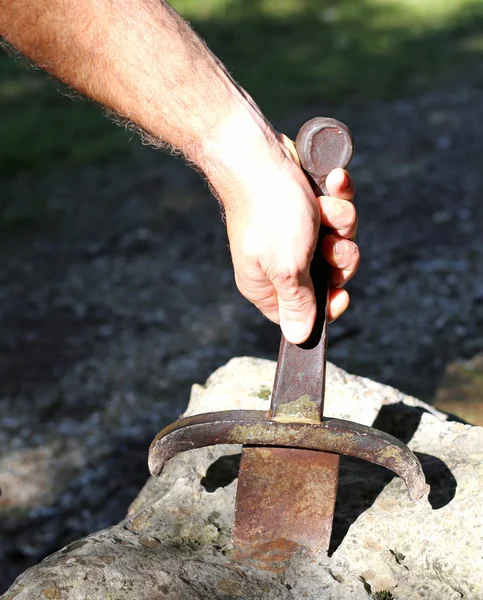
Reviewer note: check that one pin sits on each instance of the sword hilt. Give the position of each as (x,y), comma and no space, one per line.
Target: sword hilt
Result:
(323,144)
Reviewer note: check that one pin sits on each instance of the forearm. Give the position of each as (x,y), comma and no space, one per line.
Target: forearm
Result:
(141,60)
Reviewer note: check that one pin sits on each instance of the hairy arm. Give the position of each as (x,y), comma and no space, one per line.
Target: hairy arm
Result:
(140,59)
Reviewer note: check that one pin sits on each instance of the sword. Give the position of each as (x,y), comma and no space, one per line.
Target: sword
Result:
(287,483)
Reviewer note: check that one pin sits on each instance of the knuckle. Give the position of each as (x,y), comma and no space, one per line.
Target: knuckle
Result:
(346,216)
(289,270)
(296,299)
(295,305)
(283,279)
(286,279)
(351,215)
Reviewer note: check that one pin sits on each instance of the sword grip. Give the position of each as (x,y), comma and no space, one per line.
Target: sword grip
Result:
(323,144)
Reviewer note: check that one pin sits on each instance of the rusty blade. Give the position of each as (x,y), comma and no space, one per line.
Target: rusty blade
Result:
(289,494)
(285,503)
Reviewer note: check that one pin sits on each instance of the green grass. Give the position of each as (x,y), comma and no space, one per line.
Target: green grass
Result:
(42,128)
(287,53)
(385,595)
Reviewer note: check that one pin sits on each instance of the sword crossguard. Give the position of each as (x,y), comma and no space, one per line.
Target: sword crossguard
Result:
(255,428)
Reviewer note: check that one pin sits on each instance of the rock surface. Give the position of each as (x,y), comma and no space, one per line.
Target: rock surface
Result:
(175,541)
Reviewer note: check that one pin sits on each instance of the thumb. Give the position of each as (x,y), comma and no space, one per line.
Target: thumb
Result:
(296,302)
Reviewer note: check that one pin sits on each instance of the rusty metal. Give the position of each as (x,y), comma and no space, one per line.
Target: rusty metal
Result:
(288,474)
(299,387)
(323,144)
(284,494)
(256,428)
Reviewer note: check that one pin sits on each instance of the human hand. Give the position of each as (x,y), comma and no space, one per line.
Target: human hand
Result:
(273,227)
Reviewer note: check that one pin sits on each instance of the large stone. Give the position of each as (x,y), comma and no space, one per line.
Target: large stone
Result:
(175,542)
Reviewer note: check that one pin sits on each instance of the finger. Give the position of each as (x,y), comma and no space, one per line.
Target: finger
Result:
(343,255)
(339,215)
(268,306)
(262,294)
(296,305)
(340,185)
(338,303)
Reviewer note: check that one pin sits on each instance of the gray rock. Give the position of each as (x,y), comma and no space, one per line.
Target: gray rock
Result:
(175,542)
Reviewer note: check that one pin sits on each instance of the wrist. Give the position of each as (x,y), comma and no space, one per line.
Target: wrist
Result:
(239,152)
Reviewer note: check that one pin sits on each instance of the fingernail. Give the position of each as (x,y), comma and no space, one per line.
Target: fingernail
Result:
(339,248)
(296,332)
(346,184)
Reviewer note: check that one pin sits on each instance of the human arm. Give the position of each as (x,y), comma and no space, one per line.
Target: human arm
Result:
(143,61)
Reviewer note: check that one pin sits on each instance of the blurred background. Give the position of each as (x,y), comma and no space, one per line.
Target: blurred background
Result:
(116,284)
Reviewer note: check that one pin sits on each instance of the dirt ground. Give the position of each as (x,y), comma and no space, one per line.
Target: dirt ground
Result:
(119,295)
